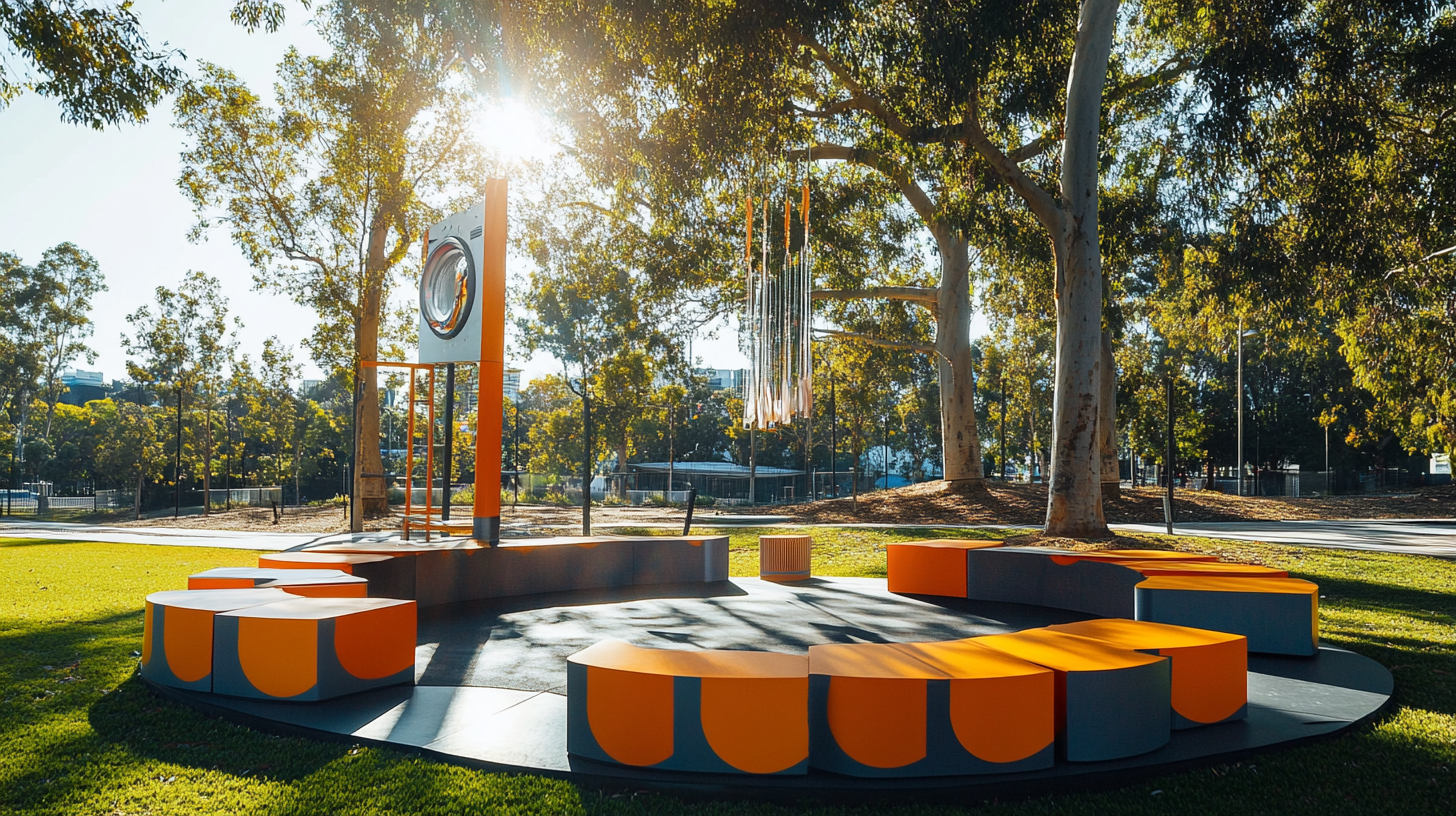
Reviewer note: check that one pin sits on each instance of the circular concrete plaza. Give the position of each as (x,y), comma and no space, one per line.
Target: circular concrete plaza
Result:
(491,684)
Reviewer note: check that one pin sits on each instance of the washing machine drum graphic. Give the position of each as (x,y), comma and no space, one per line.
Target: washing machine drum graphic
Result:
(447,288)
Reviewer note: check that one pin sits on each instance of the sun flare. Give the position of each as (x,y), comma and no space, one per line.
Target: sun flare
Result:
(514,131)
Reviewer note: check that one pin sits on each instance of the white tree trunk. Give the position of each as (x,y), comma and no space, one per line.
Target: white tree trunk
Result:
(960,439)
(1074,501)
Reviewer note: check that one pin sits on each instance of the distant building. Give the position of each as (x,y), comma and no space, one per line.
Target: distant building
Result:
(720,379)
(83,386)
(513,384)
(309,386)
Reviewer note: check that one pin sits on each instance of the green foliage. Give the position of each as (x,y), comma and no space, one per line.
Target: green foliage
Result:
(96,62)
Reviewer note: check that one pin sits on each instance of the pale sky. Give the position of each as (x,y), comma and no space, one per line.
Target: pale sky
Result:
(113,193)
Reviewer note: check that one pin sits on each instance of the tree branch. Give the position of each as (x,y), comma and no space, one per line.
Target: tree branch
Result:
(878,341)
(925,295)
(1165,73)
(1042,204)
(865,157)
(864,101)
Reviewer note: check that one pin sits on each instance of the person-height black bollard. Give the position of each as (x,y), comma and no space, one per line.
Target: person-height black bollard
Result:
(692,501)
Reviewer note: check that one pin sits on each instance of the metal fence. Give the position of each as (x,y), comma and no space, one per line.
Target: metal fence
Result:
(246,496)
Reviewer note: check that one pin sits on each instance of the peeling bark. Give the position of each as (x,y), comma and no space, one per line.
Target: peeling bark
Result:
(960,439)
(369,466)
(1074,501)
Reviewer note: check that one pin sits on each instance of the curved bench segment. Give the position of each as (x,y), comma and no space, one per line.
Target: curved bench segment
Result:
(934,567)
(714,710)
(314,648)
(1209,568)
(1111,703)
(389,576)
(1209,669)
(177,633)
(1277,615)
(928,709)
(309,583)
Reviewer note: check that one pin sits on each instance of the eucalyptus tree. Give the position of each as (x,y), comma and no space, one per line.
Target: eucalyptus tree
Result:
(181,344)
(130,444)
(588,305)
(328,193)
(943,103)
(44,320)
(69,278)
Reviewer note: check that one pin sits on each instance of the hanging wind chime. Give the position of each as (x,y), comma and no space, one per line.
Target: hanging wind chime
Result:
(778,320)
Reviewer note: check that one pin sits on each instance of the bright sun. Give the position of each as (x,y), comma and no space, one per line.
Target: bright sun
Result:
(515,131)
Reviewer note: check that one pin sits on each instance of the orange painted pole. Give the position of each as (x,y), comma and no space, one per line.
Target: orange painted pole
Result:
(486,515)
(788,209)
(409,459)
(429,453)
(748,240)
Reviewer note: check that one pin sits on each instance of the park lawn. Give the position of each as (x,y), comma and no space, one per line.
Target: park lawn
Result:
(79,734)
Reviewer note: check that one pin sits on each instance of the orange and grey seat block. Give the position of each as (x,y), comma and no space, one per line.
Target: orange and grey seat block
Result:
(388,576)
(1222,568)
(1210,669)
(928,709)
(310,583)
(314,648)
(784,557)
(716,711)
(177,633)
(935,567)
(1111,702)
(1277,615)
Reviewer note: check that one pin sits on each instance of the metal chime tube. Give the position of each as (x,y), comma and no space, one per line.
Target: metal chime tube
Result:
(778,313)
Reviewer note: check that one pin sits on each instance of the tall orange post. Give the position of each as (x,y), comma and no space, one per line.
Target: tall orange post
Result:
(486,522)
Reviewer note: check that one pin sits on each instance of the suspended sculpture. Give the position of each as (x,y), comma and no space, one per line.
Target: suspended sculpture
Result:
(778,322)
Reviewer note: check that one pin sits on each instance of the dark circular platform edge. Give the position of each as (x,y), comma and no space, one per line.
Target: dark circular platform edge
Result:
(1064,777)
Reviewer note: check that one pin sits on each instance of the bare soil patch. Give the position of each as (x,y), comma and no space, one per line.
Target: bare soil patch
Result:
(1000,503)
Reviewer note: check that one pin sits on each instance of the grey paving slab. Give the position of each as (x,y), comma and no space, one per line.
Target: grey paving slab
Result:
(1435,537)
(177,536)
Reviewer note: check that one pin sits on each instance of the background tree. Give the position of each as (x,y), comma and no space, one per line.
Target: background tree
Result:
(328,194)
(64,282)
(178,348)
(129,444)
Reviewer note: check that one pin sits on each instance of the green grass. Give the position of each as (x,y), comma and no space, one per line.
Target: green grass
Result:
(842,552)
(79,734)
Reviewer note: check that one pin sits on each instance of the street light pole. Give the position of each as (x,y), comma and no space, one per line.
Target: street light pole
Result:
(1239,470)
(1169,456)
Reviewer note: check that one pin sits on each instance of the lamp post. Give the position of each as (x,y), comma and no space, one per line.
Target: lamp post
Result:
(1239,387)
(1001,386)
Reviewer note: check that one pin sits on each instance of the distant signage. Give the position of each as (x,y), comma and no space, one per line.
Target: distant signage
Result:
(1440,464)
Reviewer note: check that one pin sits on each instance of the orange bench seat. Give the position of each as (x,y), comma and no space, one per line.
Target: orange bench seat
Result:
(928,709)
(710,710)
(933,567)
(1277,615)
(314,648)
(1111,702)
(1210,681)
(312,583)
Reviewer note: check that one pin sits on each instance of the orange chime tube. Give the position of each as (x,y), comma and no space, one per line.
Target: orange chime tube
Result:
(748,243)
(788,210)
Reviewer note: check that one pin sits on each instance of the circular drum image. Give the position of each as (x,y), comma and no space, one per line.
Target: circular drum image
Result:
(447,288)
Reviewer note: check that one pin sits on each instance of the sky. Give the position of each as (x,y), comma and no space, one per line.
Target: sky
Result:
(113,194)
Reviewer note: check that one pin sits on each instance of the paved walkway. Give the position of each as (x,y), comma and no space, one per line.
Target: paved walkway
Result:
(1435,537)
(1413,536)
(175,536)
